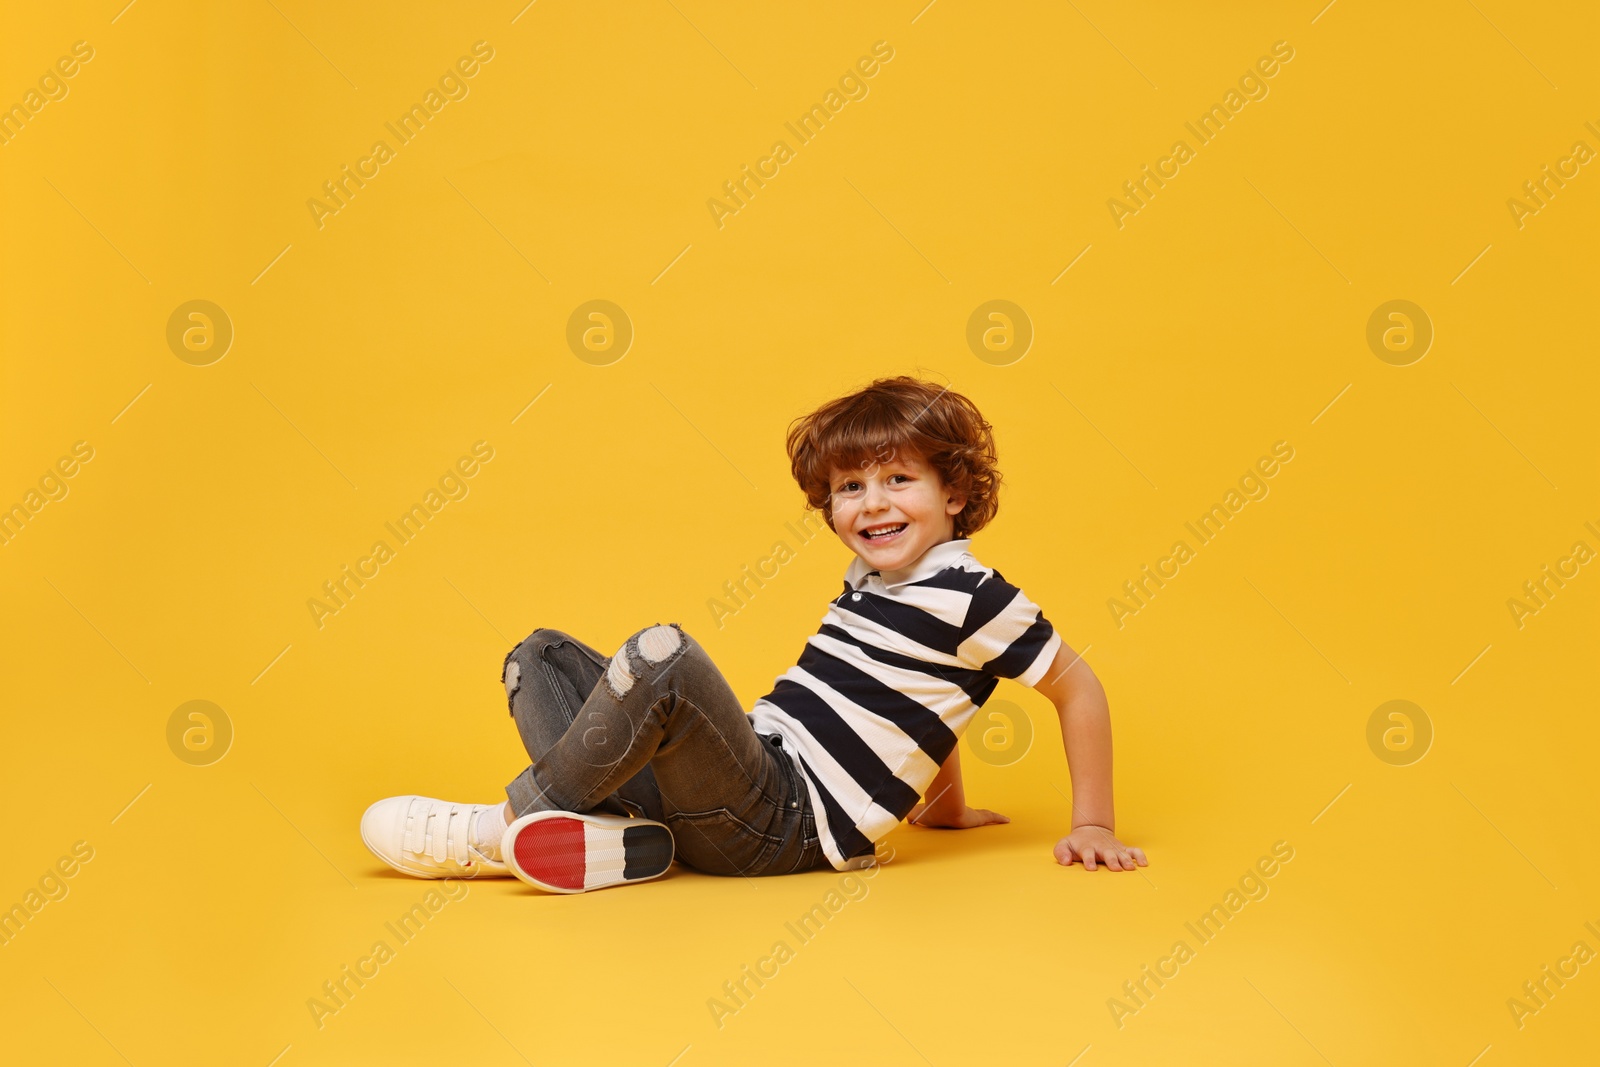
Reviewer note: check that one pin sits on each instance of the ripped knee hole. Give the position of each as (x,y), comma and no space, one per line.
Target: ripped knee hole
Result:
(652,646)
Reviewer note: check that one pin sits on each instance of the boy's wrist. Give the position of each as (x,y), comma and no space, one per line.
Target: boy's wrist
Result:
(945,806)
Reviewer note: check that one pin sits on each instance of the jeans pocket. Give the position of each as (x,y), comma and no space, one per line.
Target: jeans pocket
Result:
(810,847)
(795,797)
(798,820)
(719,842)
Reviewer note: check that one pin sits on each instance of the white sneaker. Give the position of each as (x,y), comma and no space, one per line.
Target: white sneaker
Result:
(568,852)
(428,838)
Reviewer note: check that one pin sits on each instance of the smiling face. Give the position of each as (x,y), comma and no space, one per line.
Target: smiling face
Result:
(890,513)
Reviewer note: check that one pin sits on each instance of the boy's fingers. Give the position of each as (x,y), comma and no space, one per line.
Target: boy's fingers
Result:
(1138,854)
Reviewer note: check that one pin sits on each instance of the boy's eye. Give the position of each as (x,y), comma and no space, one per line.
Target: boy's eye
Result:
(851,487)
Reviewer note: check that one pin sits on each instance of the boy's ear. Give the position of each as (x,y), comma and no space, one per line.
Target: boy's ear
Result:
(956,505)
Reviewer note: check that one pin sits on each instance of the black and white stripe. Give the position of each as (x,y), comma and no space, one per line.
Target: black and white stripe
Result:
(884,689)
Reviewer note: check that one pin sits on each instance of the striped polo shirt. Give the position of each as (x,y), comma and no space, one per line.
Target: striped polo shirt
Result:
(884,689)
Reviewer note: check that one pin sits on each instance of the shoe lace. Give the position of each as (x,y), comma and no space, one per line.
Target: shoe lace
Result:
(442,830)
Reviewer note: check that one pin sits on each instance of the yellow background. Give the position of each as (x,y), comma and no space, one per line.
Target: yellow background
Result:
(432,309)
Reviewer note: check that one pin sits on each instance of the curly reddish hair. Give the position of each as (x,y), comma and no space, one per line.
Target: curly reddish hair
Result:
(894,416)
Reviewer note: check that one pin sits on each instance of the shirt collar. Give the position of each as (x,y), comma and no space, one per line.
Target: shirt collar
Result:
(931,562)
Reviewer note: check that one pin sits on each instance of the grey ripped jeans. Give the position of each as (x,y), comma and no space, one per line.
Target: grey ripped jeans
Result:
(656,731)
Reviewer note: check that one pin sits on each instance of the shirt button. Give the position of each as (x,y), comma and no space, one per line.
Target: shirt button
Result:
(855,596)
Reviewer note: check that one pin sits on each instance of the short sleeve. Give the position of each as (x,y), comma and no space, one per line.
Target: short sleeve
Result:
(1006,634)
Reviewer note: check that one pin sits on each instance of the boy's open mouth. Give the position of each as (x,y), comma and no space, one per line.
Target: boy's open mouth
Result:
(887,532)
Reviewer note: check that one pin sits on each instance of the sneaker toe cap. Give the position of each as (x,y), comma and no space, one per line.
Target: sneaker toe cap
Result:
(383,830)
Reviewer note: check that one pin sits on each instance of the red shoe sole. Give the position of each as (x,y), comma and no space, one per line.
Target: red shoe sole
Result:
(565,852)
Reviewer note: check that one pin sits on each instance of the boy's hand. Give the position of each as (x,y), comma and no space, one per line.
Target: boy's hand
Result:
(945,818)
(1091,843)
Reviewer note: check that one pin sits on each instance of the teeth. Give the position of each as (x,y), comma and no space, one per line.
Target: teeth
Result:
(884,530)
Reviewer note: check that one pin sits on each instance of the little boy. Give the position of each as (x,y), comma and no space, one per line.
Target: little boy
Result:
(649,754)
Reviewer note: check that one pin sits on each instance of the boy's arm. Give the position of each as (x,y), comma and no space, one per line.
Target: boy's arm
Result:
(1080,702)
(945,805)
